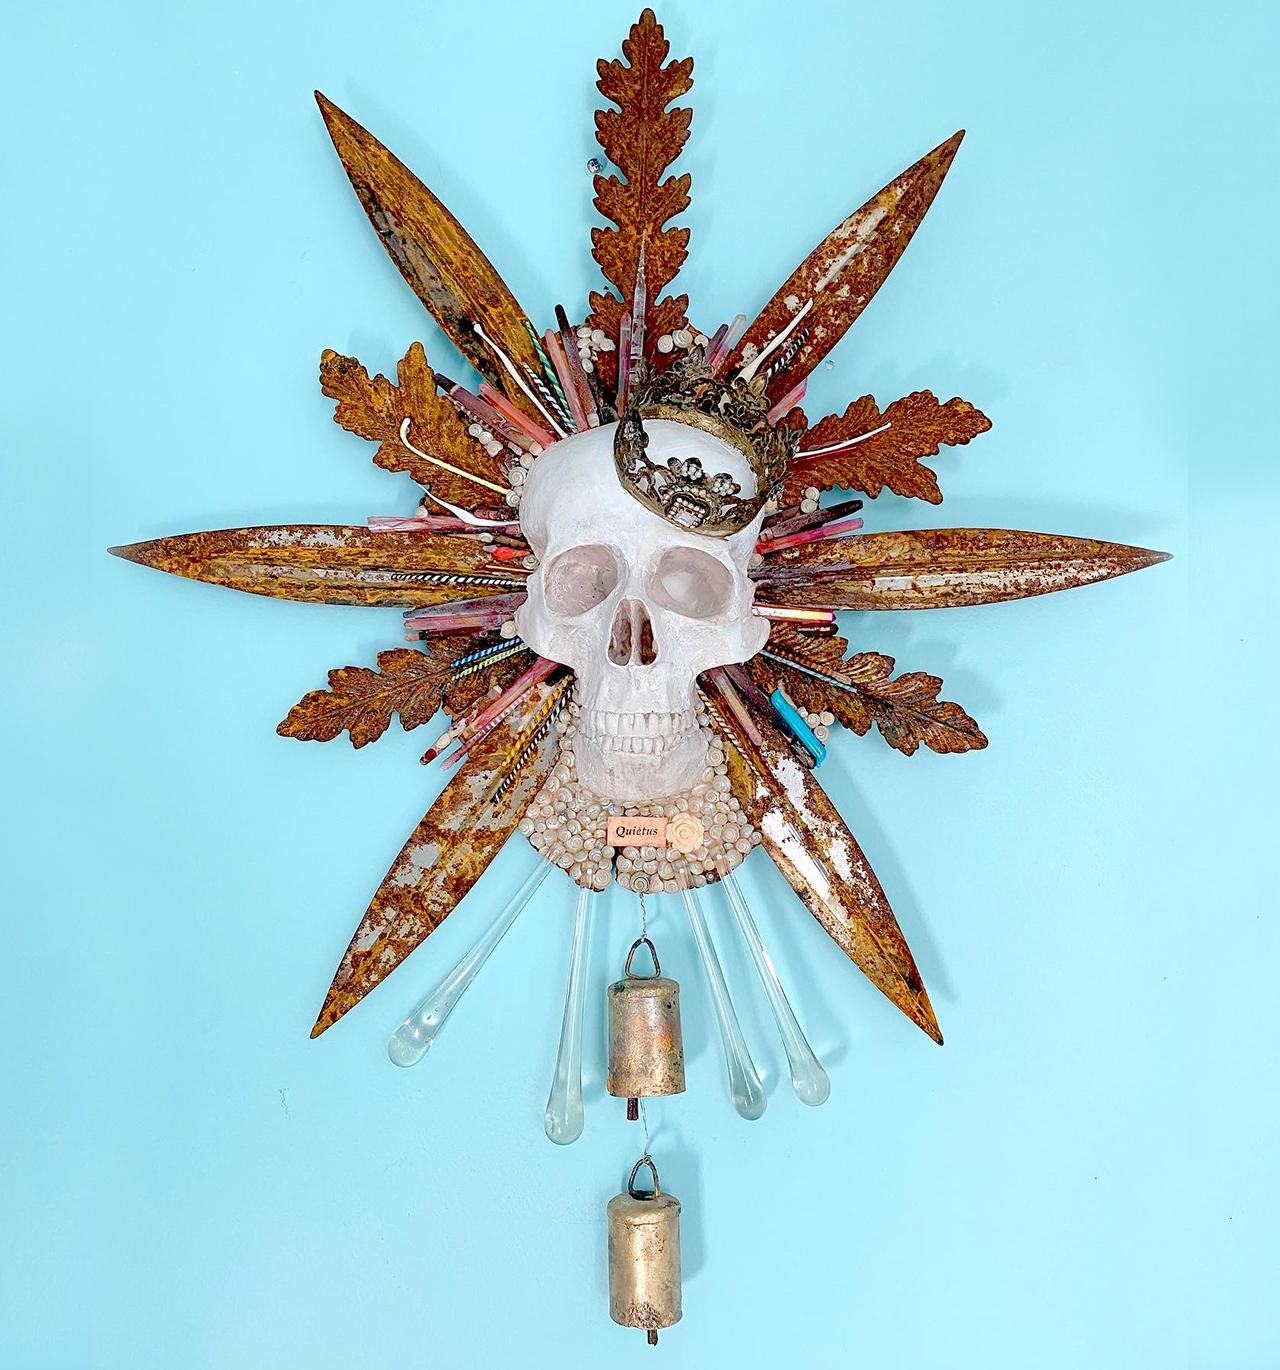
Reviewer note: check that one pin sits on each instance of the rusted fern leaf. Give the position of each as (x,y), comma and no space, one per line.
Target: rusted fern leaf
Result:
(374,408)
(642,137)
(890,456)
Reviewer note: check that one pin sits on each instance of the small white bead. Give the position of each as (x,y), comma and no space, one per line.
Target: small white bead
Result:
(665,343)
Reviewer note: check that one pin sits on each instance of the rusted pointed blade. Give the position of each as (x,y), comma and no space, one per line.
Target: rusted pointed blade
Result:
(328,564)
(942,568)
(446,854)
(846,269)
(821,861)
(434,253)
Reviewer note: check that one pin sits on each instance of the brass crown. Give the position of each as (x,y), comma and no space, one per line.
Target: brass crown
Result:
(710,503)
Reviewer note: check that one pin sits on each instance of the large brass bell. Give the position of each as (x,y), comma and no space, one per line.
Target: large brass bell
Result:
(644,1256)
(646,1053)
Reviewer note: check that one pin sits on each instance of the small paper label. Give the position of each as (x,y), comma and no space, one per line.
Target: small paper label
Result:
(640,831)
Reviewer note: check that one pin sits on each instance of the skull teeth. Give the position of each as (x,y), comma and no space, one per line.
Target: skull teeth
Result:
(643,733)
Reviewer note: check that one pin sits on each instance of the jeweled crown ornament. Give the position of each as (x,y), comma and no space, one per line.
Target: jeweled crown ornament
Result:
(680,490)
(621,586)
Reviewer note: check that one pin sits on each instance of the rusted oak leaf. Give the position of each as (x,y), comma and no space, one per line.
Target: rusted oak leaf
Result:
(360,701)
(860,690)
(374,408)
(911,428)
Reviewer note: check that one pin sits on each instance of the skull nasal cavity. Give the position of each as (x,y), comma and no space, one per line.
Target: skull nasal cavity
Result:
(631,637)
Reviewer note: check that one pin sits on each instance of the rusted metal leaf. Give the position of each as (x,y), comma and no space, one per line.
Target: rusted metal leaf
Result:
(329,564)
(375,409)
(941,568)
(888,449)
(845,270)
(859,690)
(434,253)
(408,682)
(448,852)
(821,861)
(642,137)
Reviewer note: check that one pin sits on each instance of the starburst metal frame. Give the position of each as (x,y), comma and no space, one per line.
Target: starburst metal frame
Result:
(459,564)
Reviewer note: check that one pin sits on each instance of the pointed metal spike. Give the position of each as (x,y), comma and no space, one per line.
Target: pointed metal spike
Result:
(444,857)
(942,568)
(846,269)
(820,859)
(433,252)
(328,564)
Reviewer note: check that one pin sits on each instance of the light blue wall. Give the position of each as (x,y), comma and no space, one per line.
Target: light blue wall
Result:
(1084,1175)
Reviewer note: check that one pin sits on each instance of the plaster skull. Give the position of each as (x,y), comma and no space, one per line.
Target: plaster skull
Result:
(637,607)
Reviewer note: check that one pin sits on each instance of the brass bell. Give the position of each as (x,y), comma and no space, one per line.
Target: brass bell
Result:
(644,1256)
(646,1053)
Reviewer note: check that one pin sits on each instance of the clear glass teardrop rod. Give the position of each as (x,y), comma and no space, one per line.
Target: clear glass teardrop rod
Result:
(412,1039)
(564,1116)
(745,1089)
(808,1078)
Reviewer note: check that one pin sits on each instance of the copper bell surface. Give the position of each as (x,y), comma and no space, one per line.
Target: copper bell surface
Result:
(646,1053)
(644,1256)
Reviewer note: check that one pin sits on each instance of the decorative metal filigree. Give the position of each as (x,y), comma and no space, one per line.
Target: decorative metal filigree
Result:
(711,503)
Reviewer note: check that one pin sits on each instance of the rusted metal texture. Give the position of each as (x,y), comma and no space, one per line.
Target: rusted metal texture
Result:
(845,270)
(434,253)
(860,690)
(817,854)
(329,564)
(417,430)
(446,854)
(408,682)
(887,446)
(642,137)
(941,568)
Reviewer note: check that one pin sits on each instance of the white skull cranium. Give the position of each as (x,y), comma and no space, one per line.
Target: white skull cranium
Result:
(637,607)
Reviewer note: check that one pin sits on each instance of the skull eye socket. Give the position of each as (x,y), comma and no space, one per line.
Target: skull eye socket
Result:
(580,579)
(691,583)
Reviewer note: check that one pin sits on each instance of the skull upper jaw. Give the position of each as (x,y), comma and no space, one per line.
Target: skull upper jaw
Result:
(613,768)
